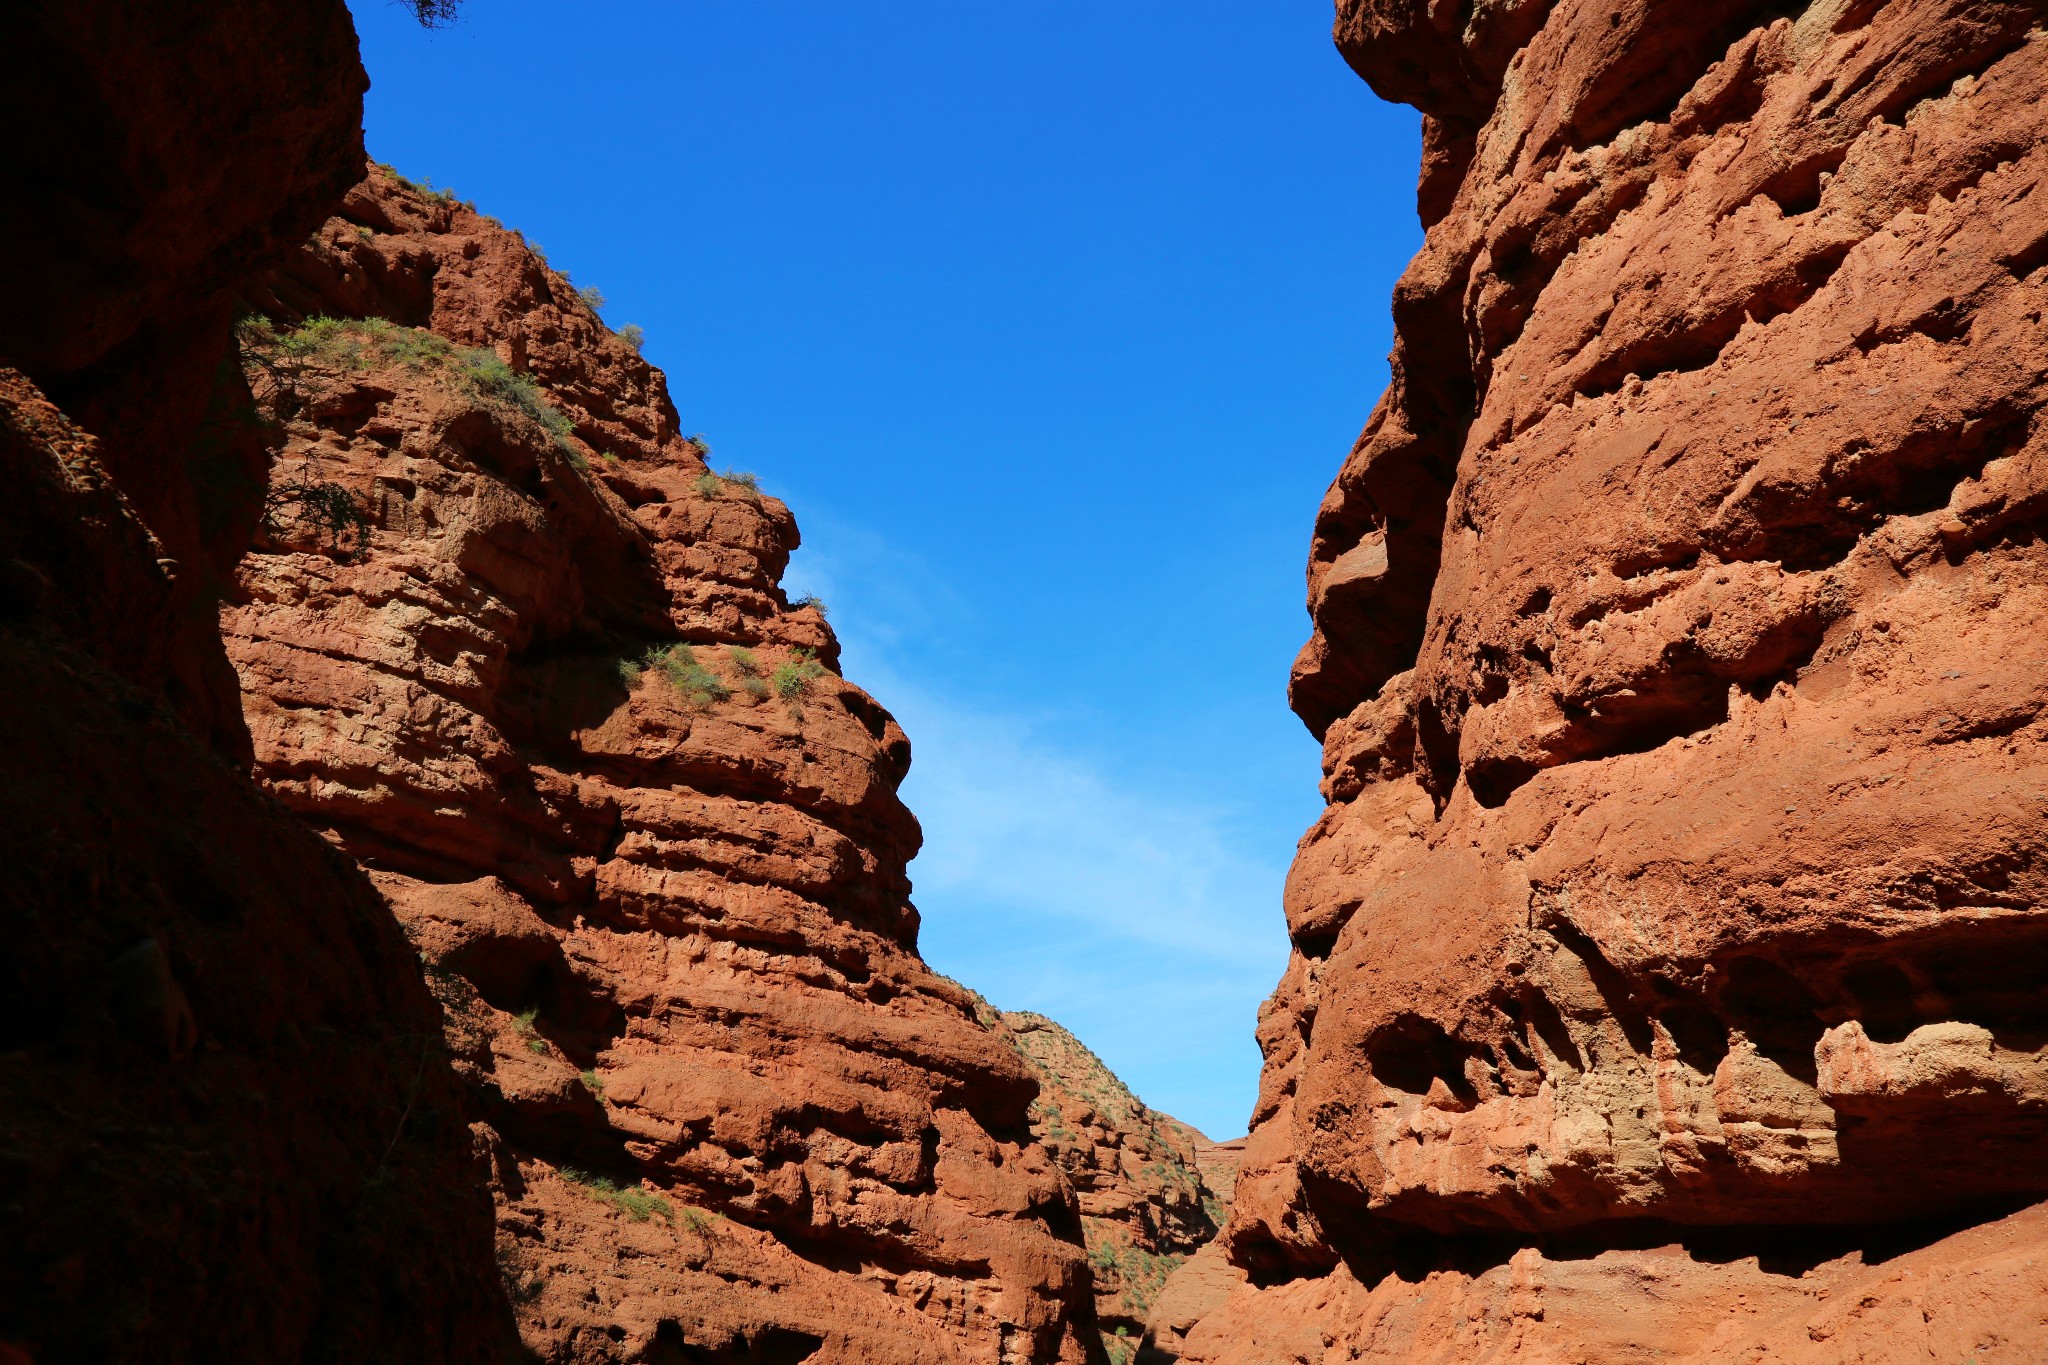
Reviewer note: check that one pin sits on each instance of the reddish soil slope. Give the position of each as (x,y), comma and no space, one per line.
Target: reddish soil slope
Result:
(1146,1182)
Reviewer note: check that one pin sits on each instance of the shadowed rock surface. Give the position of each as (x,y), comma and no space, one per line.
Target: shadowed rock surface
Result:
(1678,660)
(228,1130)
(508,641)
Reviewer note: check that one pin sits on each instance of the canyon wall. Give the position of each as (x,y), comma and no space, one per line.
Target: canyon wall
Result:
(510,643)
(226,1129)
(1147,1184)
(1669,962)
(552,993)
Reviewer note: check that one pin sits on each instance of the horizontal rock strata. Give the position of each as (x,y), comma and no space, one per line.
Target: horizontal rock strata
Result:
(509,641)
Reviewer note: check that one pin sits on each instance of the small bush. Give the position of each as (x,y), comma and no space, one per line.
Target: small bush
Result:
(522,1024)
(328,340)
(811,600)
(434,13)
(413,347)
(679,665)
(636,1203)
(592,296)
(700,445)
(735,481)
(341,343)
(593,1083)
(793,679)
(634,335)
(424,186)
(359,343)
(491,378)
(522,1287)
(748,667)
(698,1220)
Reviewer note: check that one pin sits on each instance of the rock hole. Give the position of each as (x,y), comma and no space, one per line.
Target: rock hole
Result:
(1699,1037)
(1655,559)
(1315,945)
(1774,1010)
(867,711)
(1997,981)
(772,1346)
(1411,1053)
(1797,188)
(1612,985)
(1883,998)
(1516,1055)
(1546,1023)
(1437,749)
(1494,780)
(2028,259)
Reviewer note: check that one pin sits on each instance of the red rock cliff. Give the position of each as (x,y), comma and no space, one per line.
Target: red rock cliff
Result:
(227,1128)
(1679,661)
(509,643)
(1145,1199)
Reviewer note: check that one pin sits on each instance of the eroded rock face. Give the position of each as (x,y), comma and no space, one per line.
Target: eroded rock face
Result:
(1146,1182)
(227,1130)
(1978,1295)
(1678,657)
(515,649)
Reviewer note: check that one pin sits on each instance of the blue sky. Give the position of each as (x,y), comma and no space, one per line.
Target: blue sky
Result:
(1051,321)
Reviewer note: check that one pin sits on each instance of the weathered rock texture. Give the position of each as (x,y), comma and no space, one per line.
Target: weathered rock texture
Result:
(227,1128)
(1679,660)
(1145,1193)
(511,646)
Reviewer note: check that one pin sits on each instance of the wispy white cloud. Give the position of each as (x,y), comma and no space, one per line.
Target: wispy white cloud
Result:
(1133,908)
(1012,819)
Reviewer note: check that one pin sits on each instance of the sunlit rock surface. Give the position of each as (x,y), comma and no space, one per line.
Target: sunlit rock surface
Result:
(508,641)
(1679,659)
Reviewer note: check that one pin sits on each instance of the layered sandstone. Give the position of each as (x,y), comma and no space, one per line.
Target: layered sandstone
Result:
(511,644)
(227,1128)
(1146,1182)
(1678,660)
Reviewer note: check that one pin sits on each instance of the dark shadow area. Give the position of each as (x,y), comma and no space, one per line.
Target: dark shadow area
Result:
(770,1346)
(1789,1250)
